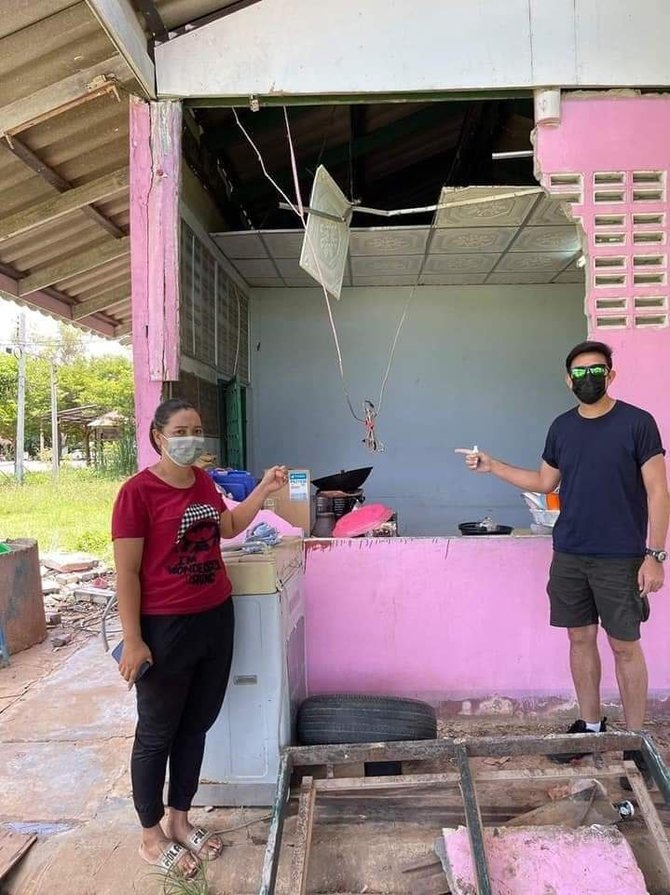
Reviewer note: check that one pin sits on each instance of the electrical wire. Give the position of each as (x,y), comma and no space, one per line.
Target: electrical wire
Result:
(371,412)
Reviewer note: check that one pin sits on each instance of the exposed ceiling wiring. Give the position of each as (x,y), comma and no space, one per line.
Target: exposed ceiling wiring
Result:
(370,411)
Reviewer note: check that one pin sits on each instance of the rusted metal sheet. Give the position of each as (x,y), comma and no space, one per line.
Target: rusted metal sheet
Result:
(21,604)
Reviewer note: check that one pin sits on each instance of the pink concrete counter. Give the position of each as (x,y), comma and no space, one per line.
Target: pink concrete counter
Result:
(461,621)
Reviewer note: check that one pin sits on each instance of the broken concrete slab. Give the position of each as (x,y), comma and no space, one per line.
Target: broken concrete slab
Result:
(94,595)
(538,860)
(69,562)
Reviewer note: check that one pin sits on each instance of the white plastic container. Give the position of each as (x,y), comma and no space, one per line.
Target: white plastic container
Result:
(545,517)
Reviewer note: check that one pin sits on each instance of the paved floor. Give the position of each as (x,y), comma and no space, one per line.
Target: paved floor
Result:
(66,721)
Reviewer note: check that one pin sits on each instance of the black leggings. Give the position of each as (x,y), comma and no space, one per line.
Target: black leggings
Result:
(178,700)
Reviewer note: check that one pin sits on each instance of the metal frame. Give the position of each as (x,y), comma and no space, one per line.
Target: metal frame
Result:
(461,750)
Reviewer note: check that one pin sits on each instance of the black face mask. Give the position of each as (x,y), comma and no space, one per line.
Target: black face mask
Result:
(589,389)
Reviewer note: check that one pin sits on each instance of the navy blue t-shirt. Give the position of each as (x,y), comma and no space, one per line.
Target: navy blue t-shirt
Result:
(603,498)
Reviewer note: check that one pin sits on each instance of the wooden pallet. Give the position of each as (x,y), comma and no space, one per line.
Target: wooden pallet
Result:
(460,751)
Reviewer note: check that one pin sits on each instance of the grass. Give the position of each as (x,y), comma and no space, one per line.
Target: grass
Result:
(72,515)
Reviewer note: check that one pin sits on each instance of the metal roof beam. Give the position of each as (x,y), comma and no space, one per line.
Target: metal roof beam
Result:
(52,209)
(63,270)
(62,95)
(101,302)
(120,23)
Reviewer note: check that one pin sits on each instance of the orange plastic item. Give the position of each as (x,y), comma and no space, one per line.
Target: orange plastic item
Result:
(553,501)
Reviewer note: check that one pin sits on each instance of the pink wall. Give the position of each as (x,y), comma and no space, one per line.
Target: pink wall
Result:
(447,619)
(615,148)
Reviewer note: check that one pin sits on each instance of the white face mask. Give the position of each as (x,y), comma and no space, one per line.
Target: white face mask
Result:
(184,450)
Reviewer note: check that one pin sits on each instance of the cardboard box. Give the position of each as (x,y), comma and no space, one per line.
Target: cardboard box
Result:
(294,501)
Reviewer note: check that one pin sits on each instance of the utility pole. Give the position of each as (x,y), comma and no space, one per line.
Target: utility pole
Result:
(55,440)
(21,402)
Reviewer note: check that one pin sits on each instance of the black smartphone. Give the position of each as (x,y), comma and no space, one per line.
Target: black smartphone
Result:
(116,654)
(646,609)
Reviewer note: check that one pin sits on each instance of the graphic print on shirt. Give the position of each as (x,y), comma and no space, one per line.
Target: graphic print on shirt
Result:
(197,539)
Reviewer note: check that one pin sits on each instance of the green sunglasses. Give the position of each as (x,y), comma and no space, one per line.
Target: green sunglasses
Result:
(594,370)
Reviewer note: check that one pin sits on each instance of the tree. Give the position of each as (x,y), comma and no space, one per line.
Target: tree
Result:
(9,375)
(103,383)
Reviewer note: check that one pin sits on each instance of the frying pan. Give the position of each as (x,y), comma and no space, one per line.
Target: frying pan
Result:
(474,528)
(346,480)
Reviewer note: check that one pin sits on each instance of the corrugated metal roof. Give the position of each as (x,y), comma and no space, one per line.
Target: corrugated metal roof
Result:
(40,45)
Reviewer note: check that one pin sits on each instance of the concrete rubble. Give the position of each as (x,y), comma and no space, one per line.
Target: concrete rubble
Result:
(76,587)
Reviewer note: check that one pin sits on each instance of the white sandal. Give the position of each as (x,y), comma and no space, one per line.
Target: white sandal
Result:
(197,841)
(169,860)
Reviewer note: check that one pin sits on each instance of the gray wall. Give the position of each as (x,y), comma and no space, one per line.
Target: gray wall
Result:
(477,365)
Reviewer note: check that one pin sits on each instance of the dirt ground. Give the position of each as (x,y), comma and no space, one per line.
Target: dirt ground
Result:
(66,723)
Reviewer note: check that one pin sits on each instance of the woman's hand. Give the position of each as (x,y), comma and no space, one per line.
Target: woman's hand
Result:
(274,479)
(135,653)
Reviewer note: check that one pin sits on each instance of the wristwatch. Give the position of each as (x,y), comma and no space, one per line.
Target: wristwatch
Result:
(658,555)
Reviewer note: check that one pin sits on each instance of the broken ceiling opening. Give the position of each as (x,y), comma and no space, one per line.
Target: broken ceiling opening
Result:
(500,230)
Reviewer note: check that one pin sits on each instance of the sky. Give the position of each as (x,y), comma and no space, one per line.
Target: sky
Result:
(41,330)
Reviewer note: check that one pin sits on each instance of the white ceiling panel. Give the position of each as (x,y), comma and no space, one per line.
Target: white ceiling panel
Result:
(490,212)
(546,239)
(517,278)
(571,275)
(385,266)
(389,241)
(265,282)
(256,268)
(283,243)
(471,239)
(385,281)
(478,262)
(240,245)
(289,267)
(465,279)
(530,262)
(516,239)
(549,211)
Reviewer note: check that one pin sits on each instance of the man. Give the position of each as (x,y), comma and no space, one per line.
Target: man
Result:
(609,460)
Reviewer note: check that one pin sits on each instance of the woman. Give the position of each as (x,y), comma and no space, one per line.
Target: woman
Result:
(177,617)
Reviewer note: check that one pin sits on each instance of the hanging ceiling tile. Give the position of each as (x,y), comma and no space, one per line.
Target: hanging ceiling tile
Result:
(240,245)
(389,241)
(471,239)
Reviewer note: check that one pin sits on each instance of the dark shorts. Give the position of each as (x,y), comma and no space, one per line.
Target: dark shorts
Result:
(585,590)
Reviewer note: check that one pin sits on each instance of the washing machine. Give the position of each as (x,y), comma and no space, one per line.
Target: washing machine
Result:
(267,679)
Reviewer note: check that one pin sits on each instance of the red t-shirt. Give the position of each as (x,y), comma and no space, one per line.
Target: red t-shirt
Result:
(182,571)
